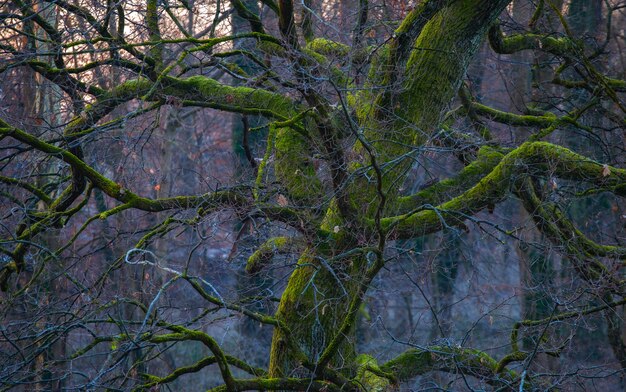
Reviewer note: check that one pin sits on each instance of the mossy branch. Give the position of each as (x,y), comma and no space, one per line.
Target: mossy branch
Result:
(558,228)
(488,158)
(262,318)
(537,158)
(514,338)
(549,122)
(445,43)
(274,246)
(371,376)
(154,32)
(471,362)
(186,334)
(560,46)
(210,91)
(244,13)
(329,48)
(204,46)
(196,367)
(295,169)
(30,188)
(276,384)
(508,118)
(115,191)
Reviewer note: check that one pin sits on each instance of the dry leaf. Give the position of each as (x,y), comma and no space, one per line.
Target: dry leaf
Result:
(606,170)
(282,200)
(553,184)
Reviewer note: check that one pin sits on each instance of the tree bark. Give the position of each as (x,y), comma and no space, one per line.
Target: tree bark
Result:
(315,306)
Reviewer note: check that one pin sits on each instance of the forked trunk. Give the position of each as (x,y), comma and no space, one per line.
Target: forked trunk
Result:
(317,298)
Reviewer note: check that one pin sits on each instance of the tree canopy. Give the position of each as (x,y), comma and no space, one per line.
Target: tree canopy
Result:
(360,130)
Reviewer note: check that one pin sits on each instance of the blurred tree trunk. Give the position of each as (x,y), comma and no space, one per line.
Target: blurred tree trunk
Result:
(246,147)
(535,265)
(585,18)
(48,115)
(445,270)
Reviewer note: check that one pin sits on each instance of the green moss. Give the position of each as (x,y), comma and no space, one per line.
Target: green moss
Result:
(152,23)
(202,88)
(262,170)
(414,362)
(265,253)
(295,169)
(409,364)
(130,88)
(562,46)
(292,311)
(544,120)
(272,48)
(332,221)
(532,157)
(371,381)
(507,359)
(446,44)
(313,306)
(377,78)
(327,47)
(486,161)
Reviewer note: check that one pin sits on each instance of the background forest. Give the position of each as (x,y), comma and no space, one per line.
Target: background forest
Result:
(312,195)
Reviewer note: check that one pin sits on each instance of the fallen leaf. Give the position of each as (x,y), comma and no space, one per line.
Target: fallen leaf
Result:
(606,170)
(553,184)
(282,201)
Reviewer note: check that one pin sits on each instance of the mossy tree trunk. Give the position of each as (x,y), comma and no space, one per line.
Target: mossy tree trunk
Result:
(322,297)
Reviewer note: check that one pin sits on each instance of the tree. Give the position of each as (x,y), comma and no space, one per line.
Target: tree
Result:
(349,117)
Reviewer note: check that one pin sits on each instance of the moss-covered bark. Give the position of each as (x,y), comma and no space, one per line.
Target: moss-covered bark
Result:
(317,296)
(295,168)
(446,43)
(534,158)
(414,362)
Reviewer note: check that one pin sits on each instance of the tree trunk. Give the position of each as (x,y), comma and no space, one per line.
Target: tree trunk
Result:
(314,304)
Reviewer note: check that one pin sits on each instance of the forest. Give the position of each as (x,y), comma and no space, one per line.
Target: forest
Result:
(312,195)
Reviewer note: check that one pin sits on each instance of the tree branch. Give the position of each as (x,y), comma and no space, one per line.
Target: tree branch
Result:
(537,158)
